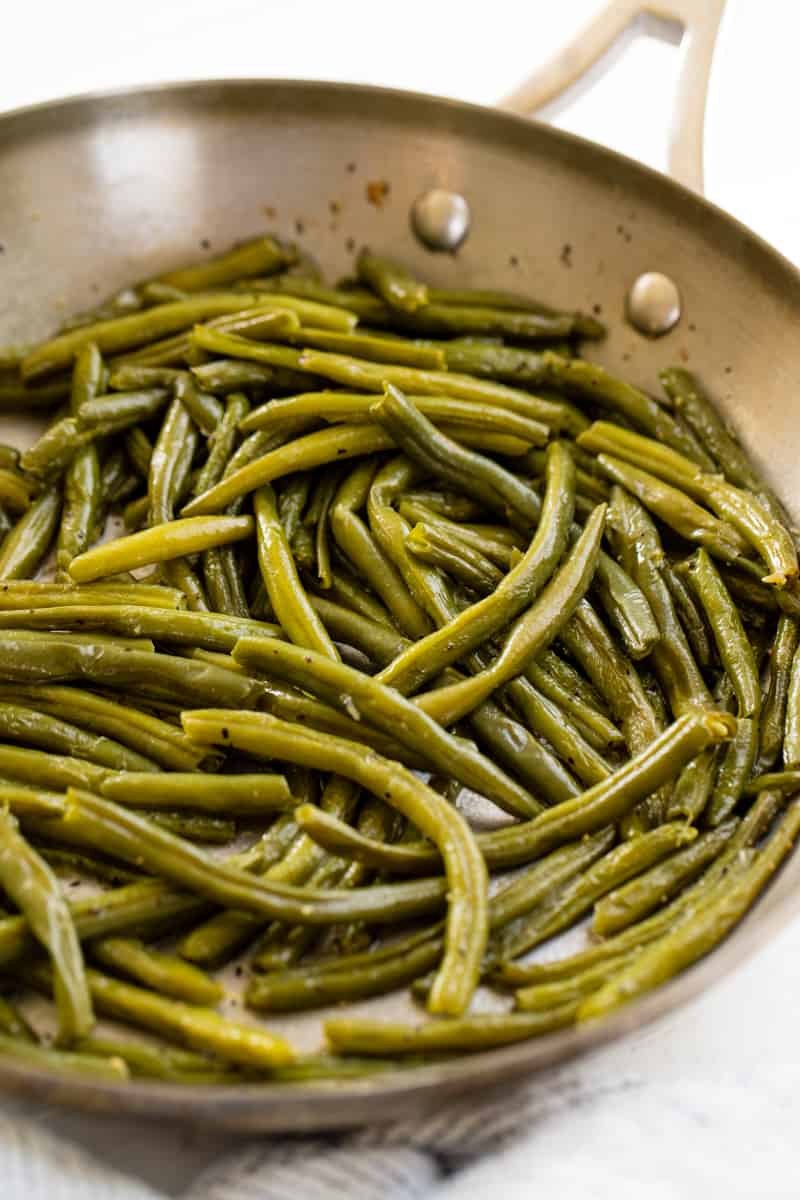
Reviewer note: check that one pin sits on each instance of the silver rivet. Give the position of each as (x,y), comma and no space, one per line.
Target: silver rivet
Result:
(440,219)
(654,304)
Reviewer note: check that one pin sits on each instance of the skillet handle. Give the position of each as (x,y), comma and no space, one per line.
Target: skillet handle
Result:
(692,24)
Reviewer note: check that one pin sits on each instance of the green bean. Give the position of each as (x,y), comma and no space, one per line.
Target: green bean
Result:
(391,282)
(357,543)
(638,545)
(547,720)
(173,539)
(82,503)
(15,490)
(562,907)
(74,863)
(773,714)
(610,799)
(700,929)
(386,709)
(495,542)
(63,1063)
(47,658)
(528,760)
(26,545)
(190,1025)
(454,557)
(694,786)
(695,407)
(626,905)
(471,472)
(762,531)
(127,332)
(733,647)
(204,409)
(529,634)
(467,921)
(153,1061)
(261,256)
(728,865)
(373,347)
(313,450)
(117,411)
(226,375)
(286,594)
(791,732)
(690,615)
(52,771)
(518,589)
(163,973)
(592,382)
(29,882)
(157,740)
(25,594)
(677,510)
(16,396)
(35,728)
(238,794)
(128,377)
(222,443)
(373,377)
(13,1024)
(542,997)
(89,820)
(360,1035)
(213,631)
(736,767)
(139,449)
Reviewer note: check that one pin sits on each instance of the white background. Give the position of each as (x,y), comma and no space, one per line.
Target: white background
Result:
(720,1108)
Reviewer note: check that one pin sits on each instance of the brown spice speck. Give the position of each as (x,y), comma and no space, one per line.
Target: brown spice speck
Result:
(728,370)
(299,227)
(205,244)
(350,168)
(692,327)
(270,212)
(377,192)
(334,206)
(597,309)
(683,354)
(513,261)
(566,255)
(350,245)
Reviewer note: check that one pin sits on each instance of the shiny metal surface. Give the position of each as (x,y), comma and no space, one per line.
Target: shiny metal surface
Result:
(96,191)
(440,219)
(653,304)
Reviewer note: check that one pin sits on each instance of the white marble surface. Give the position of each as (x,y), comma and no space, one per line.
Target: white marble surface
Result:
(710,1094)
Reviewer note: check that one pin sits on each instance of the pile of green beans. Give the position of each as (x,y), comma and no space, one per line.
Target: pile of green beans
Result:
(378,549)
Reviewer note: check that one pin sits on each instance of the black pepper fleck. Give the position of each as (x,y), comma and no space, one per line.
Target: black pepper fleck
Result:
(350,245)
(299,227)
(513,261)
(566,254)
(351,166)
(205,244)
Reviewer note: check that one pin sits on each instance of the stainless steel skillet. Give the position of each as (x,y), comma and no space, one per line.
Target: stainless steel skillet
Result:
(97,190)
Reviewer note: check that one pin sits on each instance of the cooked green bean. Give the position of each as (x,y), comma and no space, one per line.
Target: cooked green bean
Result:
(733,647)
(190,1025)
(204,409)
(174,539)
(26,545)
(50,771)
(632,901)
(392,283)
(529,634)
(29,593)
(153,1061)
(164,973)
(46,658)
(29,882)
(565,905)
(360,695)
(38,729)
(700,930)
(261,256)
(157,740)
(454,557)
(63,1063)
(287,596)
(736,767)
(520,587)
(773,714)
(360,1035)
(467,922)
(238,794)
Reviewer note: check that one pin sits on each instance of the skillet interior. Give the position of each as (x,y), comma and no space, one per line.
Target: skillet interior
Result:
(100,190)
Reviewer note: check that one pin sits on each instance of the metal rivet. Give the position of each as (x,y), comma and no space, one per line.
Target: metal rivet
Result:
(440,219)
(654,304)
